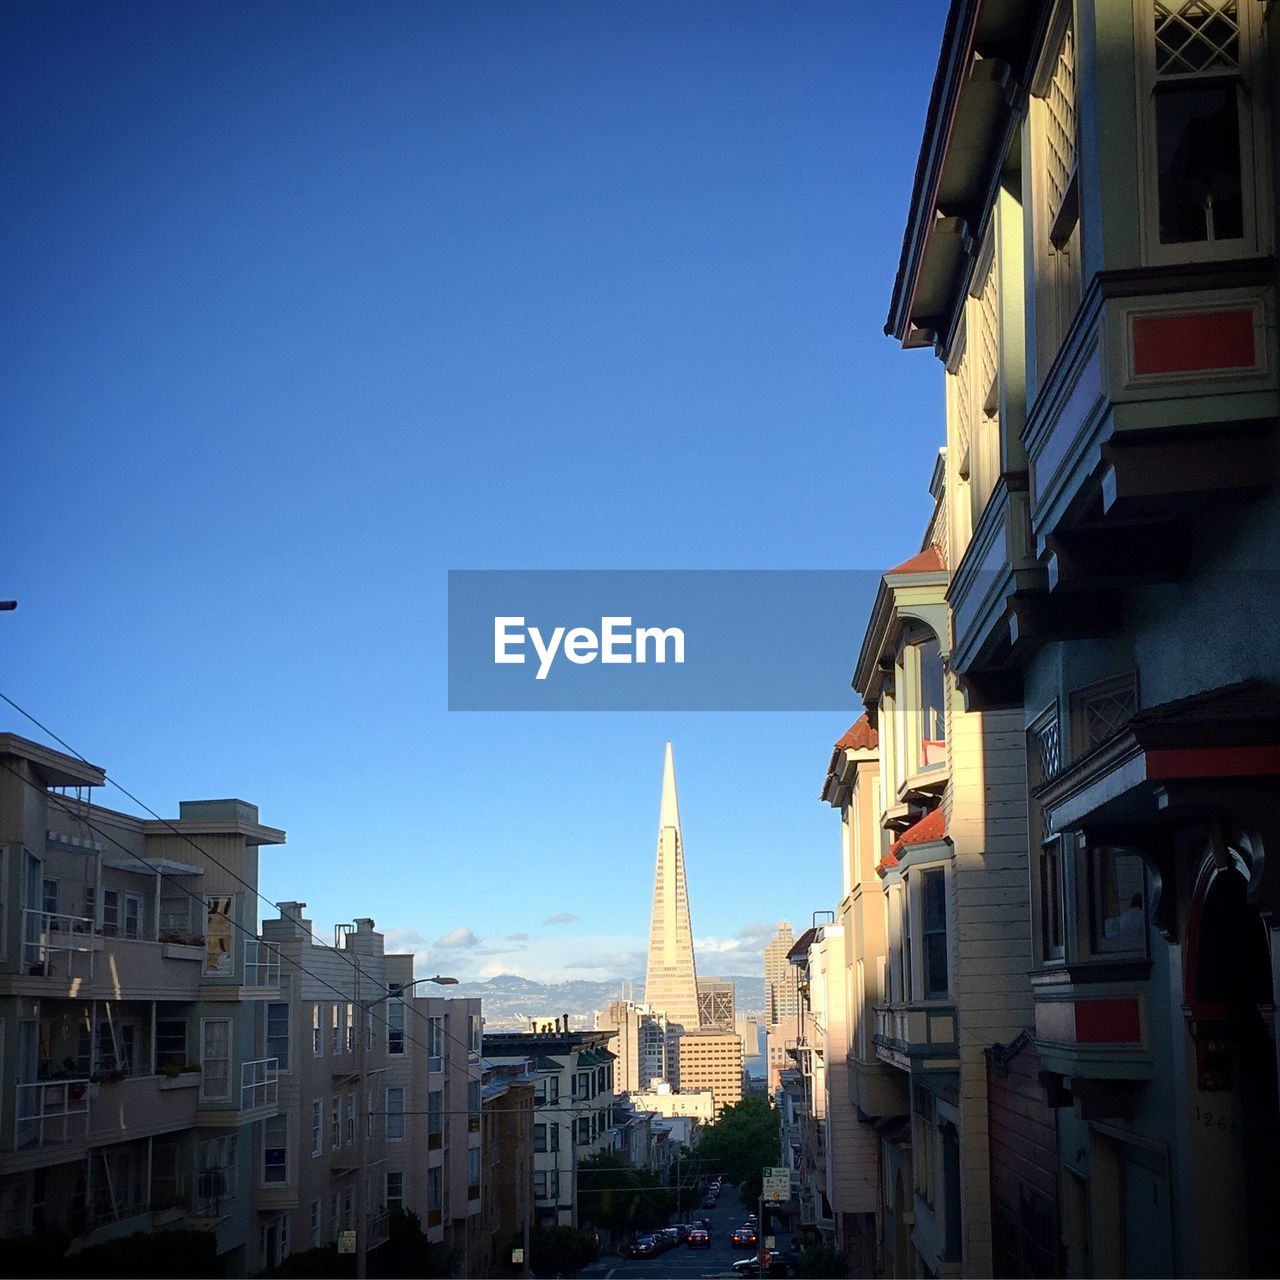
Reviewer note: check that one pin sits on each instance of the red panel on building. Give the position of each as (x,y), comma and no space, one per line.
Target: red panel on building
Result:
(1108,1022)
(1203,340)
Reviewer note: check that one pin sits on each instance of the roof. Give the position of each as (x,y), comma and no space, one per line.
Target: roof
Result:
(859,736)
(930,560)
(933,826)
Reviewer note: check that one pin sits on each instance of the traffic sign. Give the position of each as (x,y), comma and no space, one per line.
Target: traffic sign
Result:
(517,1256)
(777,1185)
(346,1242)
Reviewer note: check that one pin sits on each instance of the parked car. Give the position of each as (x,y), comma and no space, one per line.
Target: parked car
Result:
(745,1236)
(699,1238)
(779,1265)
(640,1247)
(708,1201)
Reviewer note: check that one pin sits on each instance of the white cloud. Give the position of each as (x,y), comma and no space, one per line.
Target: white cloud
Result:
(561,917)
(457,939)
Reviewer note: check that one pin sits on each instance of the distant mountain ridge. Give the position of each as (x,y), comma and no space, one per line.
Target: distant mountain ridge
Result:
(509,1001)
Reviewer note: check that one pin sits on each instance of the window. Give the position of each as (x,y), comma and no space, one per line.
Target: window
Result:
(584,1130)
(395,1026)
(335,1224)
(1200,120)
(553,1137)
(215,1059)
(316,1236)
(553,1183)
(348,1215)
(351,1117)
(335,1029)
(133,915)
(110,912)
(317,1036)
(351,1028)
(395,1115)
(933,932)
(473,1032)
(117,1046)
(540,1094)
(435,1189)
(553,1090)
(540,1184)
(1044,761)
(473,1172)
(473,1105)
(217,935)
(435,1117)
(539,1137)
(49,896)
(395,1189)
(932,729)
(335,1123)
(317,1127)
(171,1043)
(435,1044)
(1117,897)
(1102,710)
(368,1029)
(275,1151)
(277,1033)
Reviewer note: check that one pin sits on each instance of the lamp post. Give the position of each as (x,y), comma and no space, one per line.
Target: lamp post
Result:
(362,1037)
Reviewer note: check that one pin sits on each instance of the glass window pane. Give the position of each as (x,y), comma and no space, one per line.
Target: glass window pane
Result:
(1198,145)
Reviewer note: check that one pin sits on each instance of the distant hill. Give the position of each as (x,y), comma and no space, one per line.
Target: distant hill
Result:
(509,1001)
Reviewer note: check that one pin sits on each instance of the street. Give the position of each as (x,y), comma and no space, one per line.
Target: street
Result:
(689,1264)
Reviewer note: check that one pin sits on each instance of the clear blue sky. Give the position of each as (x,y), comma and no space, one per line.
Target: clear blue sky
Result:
(307,304)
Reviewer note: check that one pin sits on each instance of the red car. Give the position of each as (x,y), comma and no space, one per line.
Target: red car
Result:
(699,1238)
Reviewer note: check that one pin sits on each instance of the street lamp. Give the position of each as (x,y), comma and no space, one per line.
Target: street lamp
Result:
(362,1037)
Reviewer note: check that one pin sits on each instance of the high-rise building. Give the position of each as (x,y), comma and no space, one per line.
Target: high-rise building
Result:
(779,982)
(716,1008)
(671,982)
(640,1044)
(712,1060)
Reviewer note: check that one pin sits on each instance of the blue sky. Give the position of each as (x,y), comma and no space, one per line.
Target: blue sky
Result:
(308,304)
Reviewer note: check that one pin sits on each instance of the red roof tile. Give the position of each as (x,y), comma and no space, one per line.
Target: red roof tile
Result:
(933,826)
(860,736)
(930,560)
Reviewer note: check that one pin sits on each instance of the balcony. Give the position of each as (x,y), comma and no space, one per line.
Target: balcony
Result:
(917,1037)
(141,1106)
(60,946)
(1159,404)
(51,1113)
(259,1097)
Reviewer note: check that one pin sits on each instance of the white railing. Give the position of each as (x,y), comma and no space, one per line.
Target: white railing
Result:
(46,931)
(261,963)
(51,1111)
(259,1083)
(213,1187)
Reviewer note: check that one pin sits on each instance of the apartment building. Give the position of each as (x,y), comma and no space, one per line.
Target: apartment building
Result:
(133,991)
(506,1146)
(574,1103)
(326,1032)
(432,1095)
(1089,251)
(711,1060)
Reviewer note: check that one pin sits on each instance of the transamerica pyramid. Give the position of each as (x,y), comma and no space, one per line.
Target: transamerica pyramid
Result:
(671,982)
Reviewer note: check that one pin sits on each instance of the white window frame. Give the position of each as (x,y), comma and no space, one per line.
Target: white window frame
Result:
(1255,162)
(138,903)
(263,1180)
(317,1126)
(205,1094)
(284,1062)
(317,1032)
(395,1132)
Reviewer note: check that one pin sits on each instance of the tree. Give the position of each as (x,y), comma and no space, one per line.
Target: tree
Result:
(619,1198)
(560,1251)
(741,1143)
(821,1262)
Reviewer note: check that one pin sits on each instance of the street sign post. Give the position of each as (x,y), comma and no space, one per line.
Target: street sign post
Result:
(346,1242)
(777,1185)
(517,1257)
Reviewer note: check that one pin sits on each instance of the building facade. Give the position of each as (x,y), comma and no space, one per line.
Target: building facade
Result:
(640,1044)
(712,1060)
(574,1100)
(780,1001)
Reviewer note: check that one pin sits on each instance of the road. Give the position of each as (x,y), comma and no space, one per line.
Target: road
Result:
(683,1263)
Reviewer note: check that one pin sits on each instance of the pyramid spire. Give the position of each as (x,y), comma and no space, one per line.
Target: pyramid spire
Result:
(671,981)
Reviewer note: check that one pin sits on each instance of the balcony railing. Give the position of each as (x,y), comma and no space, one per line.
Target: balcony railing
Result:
(213,1189)
(916,1031)
(51,1112)
(378,1225)
(261,963)
(259,1083)
(50,931)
